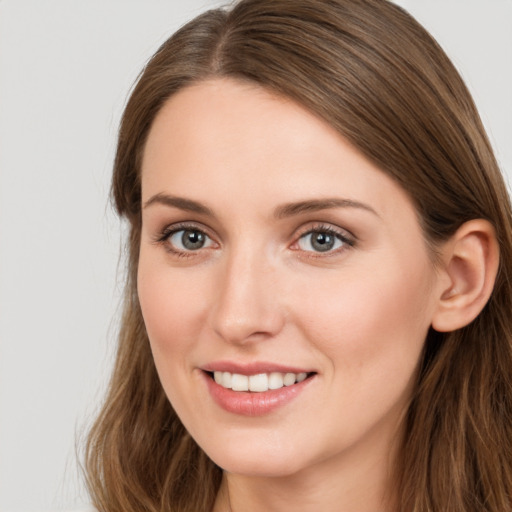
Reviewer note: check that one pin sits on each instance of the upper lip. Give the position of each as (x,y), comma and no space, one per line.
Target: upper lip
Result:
(252,368)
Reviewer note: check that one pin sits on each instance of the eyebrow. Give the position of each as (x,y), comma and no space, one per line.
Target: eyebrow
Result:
(281,212)
(179,202)
(314,205)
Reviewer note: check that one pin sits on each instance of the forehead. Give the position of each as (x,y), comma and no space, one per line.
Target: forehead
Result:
(206,112)
(224,136)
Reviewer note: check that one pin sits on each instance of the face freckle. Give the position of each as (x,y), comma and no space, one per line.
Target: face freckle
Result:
(257,176)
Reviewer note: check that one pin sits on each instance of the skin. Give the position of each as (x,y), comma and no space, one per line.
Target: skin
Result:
(356,315)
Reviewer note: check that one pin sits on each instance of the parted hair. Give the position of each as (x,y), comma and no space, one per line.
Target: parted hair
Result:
(372,72)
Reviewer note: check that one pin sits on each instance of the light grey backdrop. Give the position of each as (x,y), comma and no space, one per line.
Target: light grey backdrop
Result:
(66,67)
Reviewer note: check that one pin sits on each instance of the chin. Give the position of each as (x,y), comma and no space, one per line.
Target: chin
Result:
(262,468)
(257,460)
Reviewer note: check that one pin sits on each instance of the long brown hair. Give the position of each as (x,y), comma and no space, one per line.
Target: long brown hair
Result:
(372,72)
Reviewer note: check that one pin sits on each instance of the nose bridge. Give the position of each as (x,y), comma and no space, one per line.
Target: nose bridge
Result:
(247,302)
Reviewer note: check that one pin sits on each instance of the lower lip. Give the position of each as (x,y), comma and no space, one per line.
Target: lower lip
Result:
(248,403)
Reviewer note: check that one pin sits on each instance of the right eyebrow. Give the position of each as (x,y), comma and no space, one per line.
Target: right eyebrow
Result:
(179,202)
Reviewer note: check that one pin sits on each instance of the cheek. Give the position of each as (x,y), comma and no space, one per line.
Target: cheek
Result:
(371,325)
(171,307)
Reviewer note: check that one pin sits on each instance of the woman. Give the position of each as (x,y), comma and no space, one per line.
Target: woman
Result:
(317,313)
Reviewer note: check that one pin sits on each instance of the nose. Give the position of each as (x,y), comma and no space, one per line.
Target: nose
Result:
(247,306)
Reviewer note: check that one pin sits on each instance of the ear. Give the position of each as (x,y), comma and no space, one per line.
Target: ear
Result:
(470,264)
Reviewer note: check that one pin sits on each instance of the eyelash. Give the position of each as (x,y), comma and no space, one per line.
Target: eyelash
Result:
(164,237)
(342,236)
(347,239)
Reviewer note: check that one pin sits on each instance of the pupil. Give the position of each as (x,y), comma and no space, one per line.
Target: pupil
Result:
(322,242)
(192,239)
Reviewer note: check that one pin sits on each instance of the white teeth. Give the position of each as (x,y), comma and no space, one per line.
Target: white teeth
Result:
(239,382)
(226,380)
(259,382)
(275,380)
(289,379)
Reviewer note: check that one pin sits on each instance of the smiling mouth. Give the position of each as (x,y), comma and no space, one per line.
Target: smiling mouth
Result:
(258,383)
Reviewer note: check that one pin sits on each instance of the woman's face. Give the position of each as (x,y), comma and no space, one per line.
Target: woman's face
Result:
(272,251)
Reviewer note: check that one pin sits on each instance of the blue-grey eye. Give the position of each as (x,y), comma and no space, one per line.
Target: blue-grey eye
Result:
(320,241)
(189,240)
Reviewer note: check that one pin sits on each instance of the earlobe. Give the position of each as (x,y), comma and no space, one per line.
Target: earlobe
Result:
(470,264)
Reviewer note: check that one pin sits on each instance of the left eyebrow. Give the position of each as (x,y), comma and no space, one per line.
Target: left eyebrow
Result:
(314,205)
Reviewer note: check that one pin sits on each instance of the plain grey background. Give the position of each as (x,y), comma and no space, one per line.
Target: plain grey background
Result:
(66,67)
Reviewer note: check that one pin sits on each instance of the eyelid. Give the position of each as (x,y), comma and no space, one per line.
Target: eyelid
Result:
(348,238)
(164,232)
(163,235)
